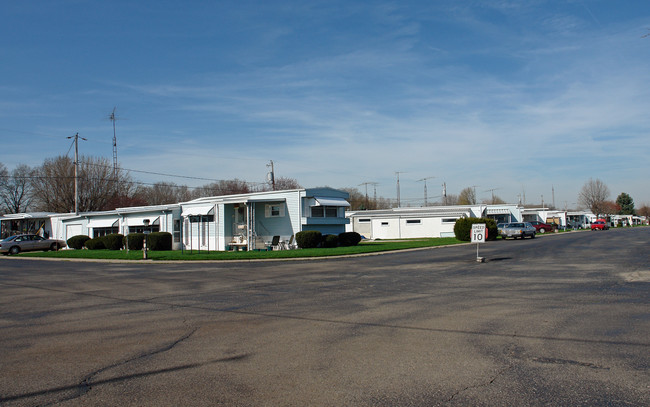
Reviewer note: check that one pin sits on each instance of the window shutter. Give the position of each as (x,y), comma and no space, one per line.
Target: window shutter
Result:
(267,211)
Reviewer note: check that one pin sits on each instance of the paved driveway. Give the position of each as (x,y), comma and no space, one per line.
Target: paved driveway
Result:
(557,320)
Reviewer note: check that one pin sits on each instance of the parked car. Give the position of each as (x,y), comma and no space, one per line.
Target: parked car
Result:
(599,225)
(541,227)
(23,243)
(517,229)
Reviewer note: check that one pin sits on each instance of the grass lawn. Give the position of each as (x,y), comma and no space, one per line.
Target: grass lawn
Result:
(363,247)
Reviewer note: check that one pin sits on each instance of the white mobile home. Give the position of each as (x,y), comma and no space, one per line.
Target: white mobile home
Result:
(245,221)
(251,221)
(430,221)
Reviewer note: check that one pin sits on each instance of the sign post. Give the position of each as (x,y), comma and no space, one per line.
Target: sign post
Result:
(479,232)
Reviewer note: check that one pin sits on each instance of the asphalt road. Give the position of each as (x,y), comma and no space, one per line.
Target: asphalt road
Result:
(557,320)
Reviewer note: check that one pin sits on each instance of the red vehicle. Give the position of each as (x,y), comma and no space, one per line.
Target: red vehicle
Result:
(541,227)
(600,224)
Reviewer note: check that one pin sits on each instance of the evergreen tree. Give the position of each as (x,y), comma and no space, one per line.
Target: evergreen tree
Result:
(626,203)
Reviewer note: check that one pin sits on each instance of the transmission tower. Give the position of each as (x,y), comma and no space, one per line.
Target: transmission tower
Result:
(425,188)
(112,118)
(366,185)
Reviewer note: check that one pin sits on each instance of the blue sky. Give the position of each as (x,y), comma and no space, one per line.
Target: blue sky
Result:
(517,96)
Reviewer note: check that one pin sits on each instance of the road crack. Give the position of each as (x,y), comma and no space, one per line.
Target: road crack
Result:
(477,386)
(86,384)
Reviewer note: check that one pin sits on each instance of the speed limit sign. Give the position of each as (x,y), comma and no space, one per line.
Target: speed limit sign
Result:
(478,233)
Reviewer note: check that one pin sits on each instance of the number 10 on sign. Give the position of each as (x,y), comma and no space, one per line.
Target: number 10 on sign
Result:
(478,233)
(478,236)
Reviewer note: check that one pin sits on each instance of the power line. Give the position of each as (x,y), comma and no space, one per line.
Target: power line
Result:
(168,175)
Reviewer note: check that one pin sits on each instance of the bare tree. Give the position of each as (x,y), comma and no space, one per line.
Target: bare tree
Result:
(494,200)
(593,195)
(467,196)
(54,183)
(15,190)
(610,208)
(644,210)
(284,183)
(224,187)
(357,200)
(4,176)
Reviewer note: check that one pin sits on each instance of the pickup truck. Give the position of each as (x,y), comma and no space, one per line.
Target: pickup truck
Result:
(516,229)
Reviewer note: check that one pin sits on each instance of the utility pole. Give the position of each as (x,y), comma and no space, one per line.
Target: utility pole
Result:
(374,196)
(492,190)
(271,175)
(366,184)
(76,171)
(398,173)
(444,193)
(425,188)
(553,195)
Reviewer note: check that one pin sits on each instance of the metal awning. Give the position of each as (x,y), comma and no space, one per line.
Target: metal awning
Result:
(322,201)
(198,210)
(500,211)
(139,220)
(103,223)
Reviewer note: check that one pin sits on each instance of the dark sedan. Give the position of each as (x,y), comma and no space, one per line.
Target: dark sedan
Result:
(24,243)
(541,227)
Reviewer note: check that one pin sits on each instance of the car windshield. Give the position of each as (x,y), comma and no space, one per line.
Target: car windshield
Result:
(9,239)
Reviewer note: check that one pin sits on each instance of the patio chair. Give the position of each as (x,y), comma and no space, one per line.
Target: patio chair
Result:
(275,243)
(292,245)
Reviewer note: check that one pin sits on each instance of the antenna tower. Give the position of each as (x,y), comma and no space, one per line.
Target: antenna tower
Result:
(112,118)
(425,188)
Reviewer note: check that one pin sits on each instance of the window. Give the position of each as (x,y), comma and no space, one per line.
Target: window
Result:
(177,230)
(201,218)
(384,223)
(99,232)
(274,210)
(449,220)
(365,220)
(324,211)
(142,229)
(413,221)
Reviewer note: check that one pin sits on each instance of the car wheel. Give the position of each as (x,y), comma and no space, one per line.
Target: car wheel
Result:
(532,236)
(542,230)
(14,250)
(54,247)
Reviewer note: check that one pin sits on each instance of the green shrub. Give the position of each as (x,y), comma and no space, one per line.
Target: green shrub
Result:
(308,239)
(330,241)
(114,241)
(159,241)
(349,239)
(95,244)
(77,242)
(134,241)
(463,228)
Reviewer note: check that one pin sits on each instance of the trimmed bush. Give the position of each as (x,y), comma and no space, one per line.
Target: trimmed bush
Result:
(95,244)
(134,240)
(159,241)
(463,228)
(330,241)
(308,239)
(77,242)
(114,241)
(349,239)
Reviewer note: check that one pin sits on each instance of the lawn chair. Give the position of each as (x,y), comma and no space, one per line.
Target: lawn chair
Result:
(275,243)
(291,245)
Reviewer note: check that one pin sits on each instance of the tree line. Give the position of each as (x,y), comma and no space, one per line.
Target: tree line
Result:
(50,187)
